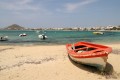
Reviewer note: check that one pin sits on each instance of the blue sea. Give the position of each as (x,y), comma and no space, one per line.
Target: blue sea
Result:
(58,37)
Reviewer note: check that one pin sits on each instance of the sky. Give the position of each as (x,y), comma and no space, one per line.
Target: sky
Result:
(59,13)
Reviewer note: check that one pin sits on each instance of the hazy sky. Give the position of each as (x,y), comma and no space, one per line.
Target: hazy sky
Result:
(59,13)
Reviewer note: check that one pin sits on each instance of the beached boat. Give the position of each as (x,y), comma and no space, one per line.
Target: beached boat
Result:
(89,54)
(42,36)
(3,38)
(98,32)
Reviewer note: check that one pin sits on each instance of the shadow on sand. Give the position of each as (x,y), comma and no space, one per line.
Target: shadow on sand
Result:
(107,73)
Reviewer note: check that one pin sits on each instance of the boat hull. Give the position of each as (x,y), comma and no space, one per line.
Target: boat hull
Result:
(98,33)
(98,62)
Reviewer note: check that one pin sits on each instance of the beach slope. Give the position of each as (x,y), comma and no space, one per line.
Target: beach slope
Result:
(52,63)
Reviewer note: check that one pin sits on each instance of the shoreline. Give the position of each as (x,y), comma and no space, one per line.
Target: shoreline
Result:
(50,62)
(50,44)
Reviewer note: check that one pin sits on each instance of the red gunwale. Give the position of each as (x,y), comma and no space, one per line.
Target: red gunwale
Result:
(100,50)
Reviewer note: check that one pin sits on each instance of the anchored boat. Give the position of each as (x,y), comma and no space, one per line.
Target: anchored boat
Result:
(22,35)
(98,32)
(42,36)
(3,38)
(89,54)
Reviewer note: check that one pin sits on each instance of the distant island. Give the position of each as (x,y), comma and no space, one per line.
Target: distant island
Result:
(14,27)
(18,27)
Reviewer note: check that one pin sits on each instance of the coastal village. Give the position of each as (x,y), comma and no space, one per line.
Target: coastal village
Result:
(102,28)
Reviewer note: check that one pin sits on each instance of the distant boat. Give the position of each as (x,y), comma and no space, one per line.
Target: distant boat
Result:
(3,38)
(24,34)
(42,36)
(40,32)
(98,32)
(89,54)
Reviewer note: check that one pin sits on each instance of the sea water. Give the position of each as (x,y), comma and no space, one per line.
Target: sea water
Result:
(57,37)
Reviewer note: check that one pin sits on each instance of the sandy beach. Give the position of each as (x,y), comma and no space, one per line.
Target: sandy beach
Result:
(42,62)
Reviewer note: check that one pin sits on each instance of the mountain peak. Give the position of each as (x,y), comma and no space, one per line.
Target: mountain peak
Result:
(14,27)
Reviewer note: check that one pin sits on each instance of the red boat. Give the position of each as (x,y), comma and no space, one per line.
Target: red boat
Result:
(89,53)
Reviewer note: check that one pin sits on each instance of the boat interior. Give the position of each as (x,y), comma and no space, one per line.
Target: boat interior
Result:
(83,48)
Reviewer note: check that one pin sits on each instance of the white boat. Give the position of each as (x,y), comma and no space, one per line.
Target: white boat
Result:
(42,36)
(24,34)
(3,38)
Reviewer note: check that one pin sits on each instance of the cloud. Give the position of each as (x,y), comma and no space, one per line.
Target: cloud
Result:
(24,8)
(41,7)
(24,1)
(18,5)
(71,7)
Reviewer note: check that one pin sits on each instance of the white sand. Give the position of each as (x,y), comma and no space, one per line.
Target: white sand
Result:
(51,63)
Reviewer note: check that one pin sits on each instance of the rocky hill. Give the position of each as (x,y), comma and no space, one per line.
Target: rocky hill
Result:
(14,27)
